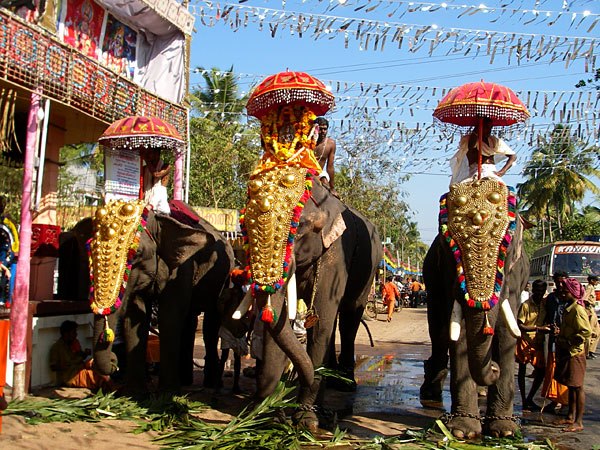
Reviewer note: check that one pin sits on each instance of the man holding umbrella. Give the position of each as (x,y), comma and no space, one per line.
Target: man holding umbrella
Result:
(466,168)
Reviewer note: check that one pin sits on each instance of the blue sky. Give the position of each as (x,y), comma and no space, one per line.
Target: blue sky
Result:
(255,54)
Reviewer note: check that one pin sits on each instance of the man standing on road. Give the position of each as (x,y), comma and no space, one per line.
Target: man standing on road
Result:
(530,346)
(571,337)
(325,153)
(589,300)
(555,306)
(390,293)
(415,288)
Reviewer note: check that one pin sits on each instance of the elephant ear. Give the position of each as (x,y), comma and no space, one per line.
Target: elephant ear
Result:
(333,230)
(176,242)
(330,217)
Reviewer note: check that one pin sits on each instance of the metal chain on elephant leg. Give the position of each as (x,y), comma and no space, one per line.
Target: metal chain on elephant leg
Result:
(311,314)
(512,418)
(447,417)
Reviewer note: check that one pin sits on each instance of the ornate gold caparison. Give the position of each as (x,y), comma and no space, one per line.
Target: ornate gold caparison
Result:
(273,195)
(478,220)
(115,233)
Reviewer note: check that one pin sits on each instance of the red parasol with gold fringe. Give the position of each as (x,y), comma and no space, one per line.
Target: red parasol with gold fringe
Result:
(141,131)
(468,105)
(287,88)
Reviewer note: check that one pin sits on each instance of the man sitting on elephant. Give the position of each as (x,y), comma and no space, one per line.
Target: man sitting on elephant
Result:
(464,163)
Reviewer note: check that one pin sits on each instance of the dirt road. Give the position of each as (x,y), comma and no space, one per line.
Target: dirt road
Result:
(386,402)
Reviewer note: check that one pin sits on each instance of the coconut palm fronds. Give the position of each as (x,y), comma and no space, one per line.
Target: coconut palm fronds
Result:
(252,428)
(157,413)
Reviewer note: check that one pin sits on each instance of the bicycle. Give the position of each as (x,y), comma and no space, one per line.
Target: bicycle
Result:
(376,306)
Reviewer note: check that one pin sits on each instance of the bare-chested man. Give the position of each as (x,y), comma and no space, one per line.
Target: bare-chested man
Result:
(325,153)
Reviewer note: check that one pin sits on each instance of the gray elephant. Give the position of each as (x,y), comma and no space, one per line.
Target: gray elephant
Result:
(182,268)
(335,256)
(475,271)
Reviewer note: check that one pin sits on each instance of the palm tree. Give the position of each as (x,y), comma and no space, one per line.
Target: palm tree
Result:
(219,99)
(558,176)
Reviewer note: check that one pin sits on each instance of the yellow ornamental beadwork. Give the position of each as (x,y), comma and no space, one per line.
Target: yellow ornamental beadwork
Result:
(115,230)
(478,220)
(273,195)
(285,130)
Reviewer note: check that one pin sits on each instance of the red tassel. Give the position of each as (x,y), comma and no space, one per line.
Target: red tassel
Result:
(487,329)
(268,314)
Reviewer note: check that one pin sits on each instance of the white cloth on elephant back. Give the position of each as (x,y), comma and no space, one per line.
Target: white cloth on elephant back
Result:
(229,341)
(462,171)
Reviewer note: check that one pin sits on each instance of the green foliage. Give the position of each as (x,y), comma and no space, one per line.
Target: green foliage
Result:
(11,186)
(558,176)
(155,413)
(218,100)
(223,156)
(224,151)
(586,223)
(590,83)
(260,427)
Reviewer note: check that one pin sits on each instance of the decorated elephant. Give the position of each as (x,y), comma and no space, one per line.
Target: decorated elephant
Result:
(475,271)
(138,257)
(331,267)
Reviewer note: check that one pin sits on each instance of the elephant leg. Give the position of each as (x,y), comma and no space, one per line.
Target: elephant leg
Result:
(210,333)
(499,414)
(349,323)
(172,318)
(136,328)
(465,422)
(318,340)
(436,367)
(188,339)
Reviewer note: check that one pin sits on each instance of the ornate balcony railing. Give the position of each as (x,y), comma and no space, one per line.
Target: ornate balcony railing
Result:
(33,58)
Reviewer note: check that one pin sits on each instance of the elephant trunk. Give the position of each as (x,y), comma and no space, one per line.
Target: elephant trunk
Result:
(285,338)
(104,358)
(484,371)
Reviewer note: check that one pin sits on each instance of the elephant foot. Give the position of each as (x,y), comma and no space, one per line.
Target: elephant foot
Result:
(464,426)
(501,427)
(430,393)
(306,417)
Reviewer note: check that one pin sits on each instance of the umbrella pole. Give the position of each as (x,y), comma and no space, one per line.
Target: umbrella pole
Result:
(141,193)
(480,146)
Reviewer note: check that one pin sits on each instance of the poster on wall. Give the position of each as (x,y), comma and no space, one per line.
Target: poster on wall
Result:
(122,174)
(118,47)
(82,26)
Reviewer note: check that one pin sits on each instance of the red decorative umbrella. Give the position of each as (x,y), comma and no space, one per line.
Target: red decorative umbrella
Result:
(290,87)
(139,131)
(468,105)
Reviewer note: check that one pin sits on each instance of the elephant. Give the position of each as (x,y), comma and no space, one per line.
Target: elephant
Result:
(480,341)
(180,267)
(335,257)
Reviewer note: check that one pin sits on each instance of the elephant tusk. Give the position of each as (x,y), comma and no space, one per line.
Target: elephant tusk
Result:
(243,306)
(292,297)
(455,320)
(513,326)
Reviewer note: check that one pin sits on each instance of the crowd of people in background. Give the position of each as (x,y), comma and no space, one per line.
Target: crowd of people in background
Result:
(559,333)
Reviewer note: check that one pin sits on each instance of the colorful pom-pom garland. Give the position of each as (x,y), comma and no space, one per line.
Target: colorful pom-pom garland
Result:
(455,249)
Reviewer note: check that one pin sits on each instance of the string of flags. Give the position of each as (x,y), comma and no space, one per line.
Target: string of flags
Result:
(374,34)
